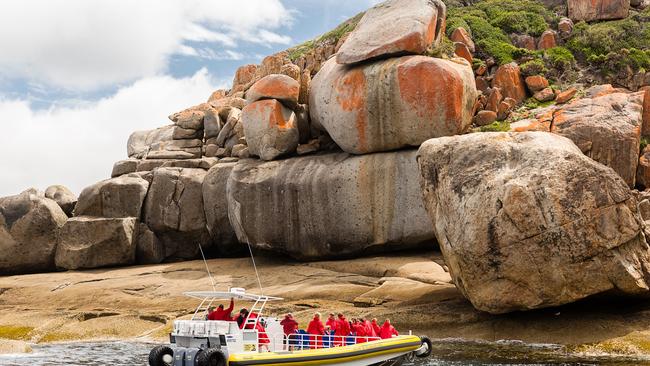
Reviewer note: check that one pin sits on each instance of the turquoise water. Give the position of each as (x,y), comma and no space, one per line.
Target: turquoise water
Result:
(446,353)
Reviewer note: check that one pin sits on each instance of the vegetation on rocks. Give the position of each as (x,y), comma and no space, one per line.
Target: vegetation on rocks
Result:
(489,22)
(331,37)
(613,45)
(497,126)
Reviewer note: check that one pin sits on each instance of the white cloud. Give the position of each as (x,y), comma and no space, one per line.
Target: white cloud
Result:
(77,146)
(88,44)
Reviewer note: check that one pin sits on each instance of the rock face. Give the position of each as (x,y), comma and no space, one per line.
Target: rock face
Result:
(280,87)
(588,10)
(391,104)
(173,210)
(149,249)
(395,27)
(63,197)
(330,205)
(29,225)
(91,242)
(113,198)
(606,128)
(140,141)
(215,203)
(526,221)
(508,78)
(646,113)
(270,128)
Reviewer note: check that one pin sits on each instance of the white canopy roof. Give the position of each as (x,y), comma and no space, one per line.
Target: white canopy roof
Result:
(236,293)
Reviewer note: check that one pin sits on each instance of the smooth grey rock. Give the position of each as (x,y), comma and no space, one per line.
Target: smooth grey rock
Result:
(29,225)
(113,198)
(181,133)
(140,141)
(149,249)
(215,204)
(92,242)
(332,205)
(63,197)
(174,211)
(124,167)
(526,221)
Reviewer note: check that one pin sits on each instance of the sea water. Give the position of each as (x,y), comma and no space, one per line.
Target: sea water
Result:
(446,353)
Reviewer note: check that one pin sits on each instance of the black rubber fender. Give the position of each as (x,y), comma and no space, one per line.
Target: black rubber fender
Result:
(211,357)
(157,353)
(427,341)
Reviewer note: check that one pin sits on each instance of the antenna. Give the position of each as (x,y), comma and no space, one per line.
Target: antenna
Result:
(214,288)
(255,266)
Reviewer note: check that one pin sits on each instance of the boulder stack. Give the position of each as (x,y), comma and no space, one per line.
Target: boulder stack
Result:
(29,227)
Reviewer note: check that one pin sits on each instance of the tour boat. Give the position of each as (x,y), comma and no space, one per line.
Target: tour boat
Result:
(201,342)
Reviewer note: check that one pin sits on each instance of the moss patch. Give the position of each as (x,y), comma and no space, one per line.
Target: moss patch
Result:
(15,333)
(59,337)
(498,126)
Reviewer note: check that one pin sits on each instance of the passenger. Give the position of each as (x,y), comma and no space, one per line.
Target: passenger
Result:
(370,331)
(317,329)
(387,330)
(263,338)
(241,318)
(225,314)
(211,313)
(359,328)
(375,327)
(290,328)
(331,322)
(342,329)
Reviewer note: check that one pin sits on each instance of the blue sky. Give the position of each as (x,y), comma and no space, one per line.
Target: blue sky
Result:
(78,76)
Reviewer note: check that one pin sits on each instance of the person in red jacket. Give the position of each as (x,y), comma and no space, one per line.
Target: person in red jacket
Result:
(290,327)
(224,314)
(387,330)
(317,329)
(359,328)
(342,330)
(370,331)
(375,326)
(331,323)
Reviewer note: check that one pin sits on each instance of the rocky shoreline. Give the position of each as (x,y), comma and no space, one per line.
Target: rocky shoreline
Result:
(412,289)
(450,178)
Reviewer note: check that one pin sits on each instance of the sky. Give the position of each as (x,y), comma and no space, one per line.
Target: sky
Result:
(77,77)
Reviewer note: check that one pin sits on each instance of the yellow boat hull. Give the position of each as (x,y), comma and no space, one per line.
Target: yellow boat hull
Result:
(358,354)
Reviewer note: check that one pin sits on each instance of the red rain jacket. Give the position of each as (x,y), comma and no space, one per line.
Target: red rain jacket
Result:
(387,331)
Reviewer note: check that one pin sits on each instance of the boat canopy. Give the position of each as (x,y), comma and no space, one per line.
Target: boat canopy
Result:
(237,293)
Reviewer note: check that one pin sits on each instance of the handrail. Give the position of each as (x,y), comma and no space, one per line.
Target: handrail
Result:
(300,341)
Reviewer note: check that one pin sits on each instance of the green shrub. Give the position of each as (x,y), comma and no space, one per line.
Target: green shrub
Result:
(559,58)
(533,67)
(644,144)
(446,48)
(521,22)
(498,126)
(494,8)
(611,44)
(454,23)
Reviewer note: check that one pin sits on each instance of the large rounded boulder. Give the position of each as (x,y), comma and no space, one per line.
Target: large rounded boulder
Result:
(391,104)
(332,205)
(29,225)
(526,221)
(395,27)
